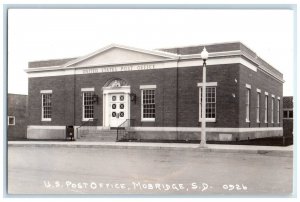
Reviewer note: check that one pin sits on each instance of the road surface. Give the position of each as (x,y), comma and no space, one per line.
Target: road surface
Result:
(58,170)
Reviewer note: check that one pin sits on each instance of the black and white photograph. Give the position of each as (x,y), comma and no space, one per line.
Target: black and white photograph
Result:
(167,101)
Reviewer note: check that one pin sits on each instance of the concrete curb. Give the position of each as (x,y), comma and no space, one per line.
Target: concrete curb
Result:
(270,151)
(286,153)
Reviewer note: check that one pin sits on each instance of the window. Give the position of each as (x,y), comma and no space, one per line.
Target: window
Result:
(248,105)
(46,106)
(291,114)
(210,114)
(266,109)
(288,113)
(11,120)
(272,110)
(88,106)
(148,104)
(278,111)
(258,108)
(285,114)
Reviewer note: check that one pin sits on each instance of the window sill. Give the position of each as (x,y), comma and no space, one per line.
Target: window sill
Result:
(46,119)
(88,119)
(148,120)
(208,120)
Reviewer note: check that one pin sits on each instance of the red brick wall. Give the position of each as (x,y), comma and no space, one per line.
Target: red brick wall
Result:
(165,79)
(63,96)
(227,105)
(230,96)
(59,99)
(265,83)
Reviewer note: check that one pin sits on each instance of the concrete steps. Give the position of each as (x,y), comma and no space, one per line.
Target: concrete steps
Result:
(98,135)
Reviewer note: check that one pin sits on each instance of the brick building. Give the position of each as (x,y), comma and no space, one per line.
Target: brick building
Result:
(288,116)
(17,115)
(155,94)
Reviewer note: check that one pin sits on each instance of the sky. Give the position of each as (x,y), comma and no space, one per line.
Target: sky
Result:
(41,34)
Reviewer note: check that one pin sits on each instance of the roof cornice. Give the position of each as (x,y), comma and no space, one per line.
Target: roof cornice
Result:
(151,52)
(169,57)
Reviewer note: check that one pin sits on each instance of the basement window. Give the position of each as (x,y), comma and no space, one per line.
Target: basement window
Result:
(11,120)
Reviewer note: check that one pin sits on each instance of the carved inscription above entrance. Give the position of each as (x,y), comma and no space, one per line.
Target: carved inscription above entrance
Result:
(121,68)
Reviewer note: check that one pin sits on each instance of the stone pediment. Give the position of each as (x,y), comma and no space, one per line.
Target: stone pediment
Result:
(116,54)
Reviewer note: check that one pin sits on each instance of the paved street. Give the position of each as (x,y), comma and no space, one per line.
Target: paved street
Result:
(59,170)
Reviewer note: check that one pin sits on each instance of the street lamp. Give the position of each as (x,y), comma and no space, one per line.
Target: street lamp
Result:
(204,56)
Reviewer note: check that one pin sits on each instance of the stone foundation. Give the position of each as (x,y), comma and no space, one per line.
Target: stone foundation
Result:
(182,134)
(210,136)
(46,133)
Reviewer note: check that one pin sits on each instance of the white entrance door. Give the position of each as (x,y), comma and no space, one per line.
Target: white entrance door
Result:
(118,109)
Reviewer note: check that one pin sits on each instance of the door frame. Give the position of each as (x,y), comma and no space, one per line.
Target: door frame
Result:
(111,90)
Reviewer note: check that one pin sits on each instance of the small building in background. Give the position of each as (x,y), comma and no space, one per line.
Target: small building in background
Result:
(17,115)
(288,117)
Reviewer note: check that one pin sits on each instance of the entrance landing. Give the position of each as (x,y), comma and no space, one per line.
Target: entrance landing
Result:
(98,136)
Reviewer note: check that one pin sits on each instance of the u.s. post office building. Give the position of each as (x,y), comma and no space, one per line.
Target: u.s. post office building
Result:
(155,95)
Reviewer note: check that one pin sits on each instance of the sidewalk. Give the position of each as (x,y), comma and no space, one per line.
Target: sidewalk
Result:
(266,150)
